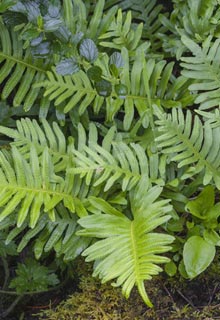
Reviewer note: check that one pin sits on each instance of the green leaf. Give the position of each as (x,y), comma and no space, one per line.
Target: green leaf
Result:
(121,90)
(31,276)
(5,4)
(203,203)
(88,50)
(197,255)
(95,73)
(104,88)
(170,268)
(67,66)
(212,237)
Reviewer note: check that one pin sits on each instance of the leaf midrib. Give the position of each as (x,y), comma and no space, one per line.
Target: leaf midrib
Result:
(19,61)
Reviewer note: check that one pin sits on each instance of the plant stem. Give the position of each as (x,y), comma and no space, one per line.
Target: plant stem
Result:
(11,307)
(6,269)
(14,293)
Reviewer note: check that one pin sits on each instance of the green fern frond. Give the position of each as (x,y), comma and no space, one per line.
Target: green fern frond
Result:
(122,33)
(147,11)
(193,19)
(30,133)
(90,19)
(205,70)
(124,163)
(58,235)
(32,185)
(18,70)
(147,82)
(213,118)
(129,250)
(150,82)
(191,144)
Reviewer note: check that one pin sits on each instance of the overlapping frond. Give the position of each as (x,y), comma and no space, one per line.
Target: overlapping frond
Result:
(32,185)
(190,144)
(151,82)
(30,133)
(193,19)
(124,164)
(59,235)
(129,249)
(147,82)
(18,70)
(121,33)
(204,68)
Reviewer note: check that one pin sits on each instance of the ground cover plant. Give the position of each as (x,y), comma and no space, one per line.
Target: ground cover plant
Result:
(110,149)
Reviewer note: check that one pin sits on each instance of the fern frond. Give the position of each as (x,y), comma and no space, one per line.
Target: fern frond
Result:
(18,70)
(124,163)
(32,185)
(147,11)
(147,82)
(47,235)
(191,144)
(150,82)
(204,68)
(194,19)
(213,118)
(129,250)
(29,133)
(122,33)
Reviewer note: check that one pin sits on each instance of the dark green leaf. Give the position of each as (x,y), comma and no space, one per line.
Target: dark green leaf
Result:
(31,276)
(88,50)
(121,90)
(104,88)
(95,73)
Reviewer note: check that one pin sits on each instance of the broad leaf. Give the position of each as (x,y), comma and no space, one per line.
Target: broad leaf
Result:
(197,255)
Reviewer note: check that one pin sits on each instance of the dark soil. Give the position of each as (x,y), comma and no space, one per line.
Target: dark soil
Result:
(86,299)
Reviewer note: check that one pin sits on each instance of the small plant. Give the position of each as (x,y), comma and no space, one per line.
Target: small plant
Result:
(110,137)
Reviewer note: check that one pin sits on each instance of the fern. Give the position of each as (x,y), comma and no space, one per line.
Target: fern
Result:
(194,19)
(143,83)
(121,34)
(129,249)
(31,186)
(29,133)
(190,144)
(124,163)
(59,235)
(204,69)
(18,70)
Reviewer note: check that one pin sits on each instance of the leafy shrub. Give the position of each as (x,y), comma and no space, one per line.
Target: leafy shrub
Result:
(118,159)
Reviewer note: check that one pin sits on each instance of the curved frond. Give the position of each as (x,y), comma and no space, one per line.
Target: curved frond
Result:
(204,68)
(18,70)
(147,82)
(129,250)
(122,33)
(30,133)
(30,186)
(124,163)
(194,19)
(47,235)
(191,144)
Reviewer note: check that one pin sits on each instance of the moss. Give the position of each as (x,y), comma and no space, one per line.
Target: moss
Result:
(173,299)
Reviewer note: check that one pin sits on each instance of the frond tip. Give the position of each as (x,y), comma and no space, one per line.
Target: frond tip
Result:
(128,251)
